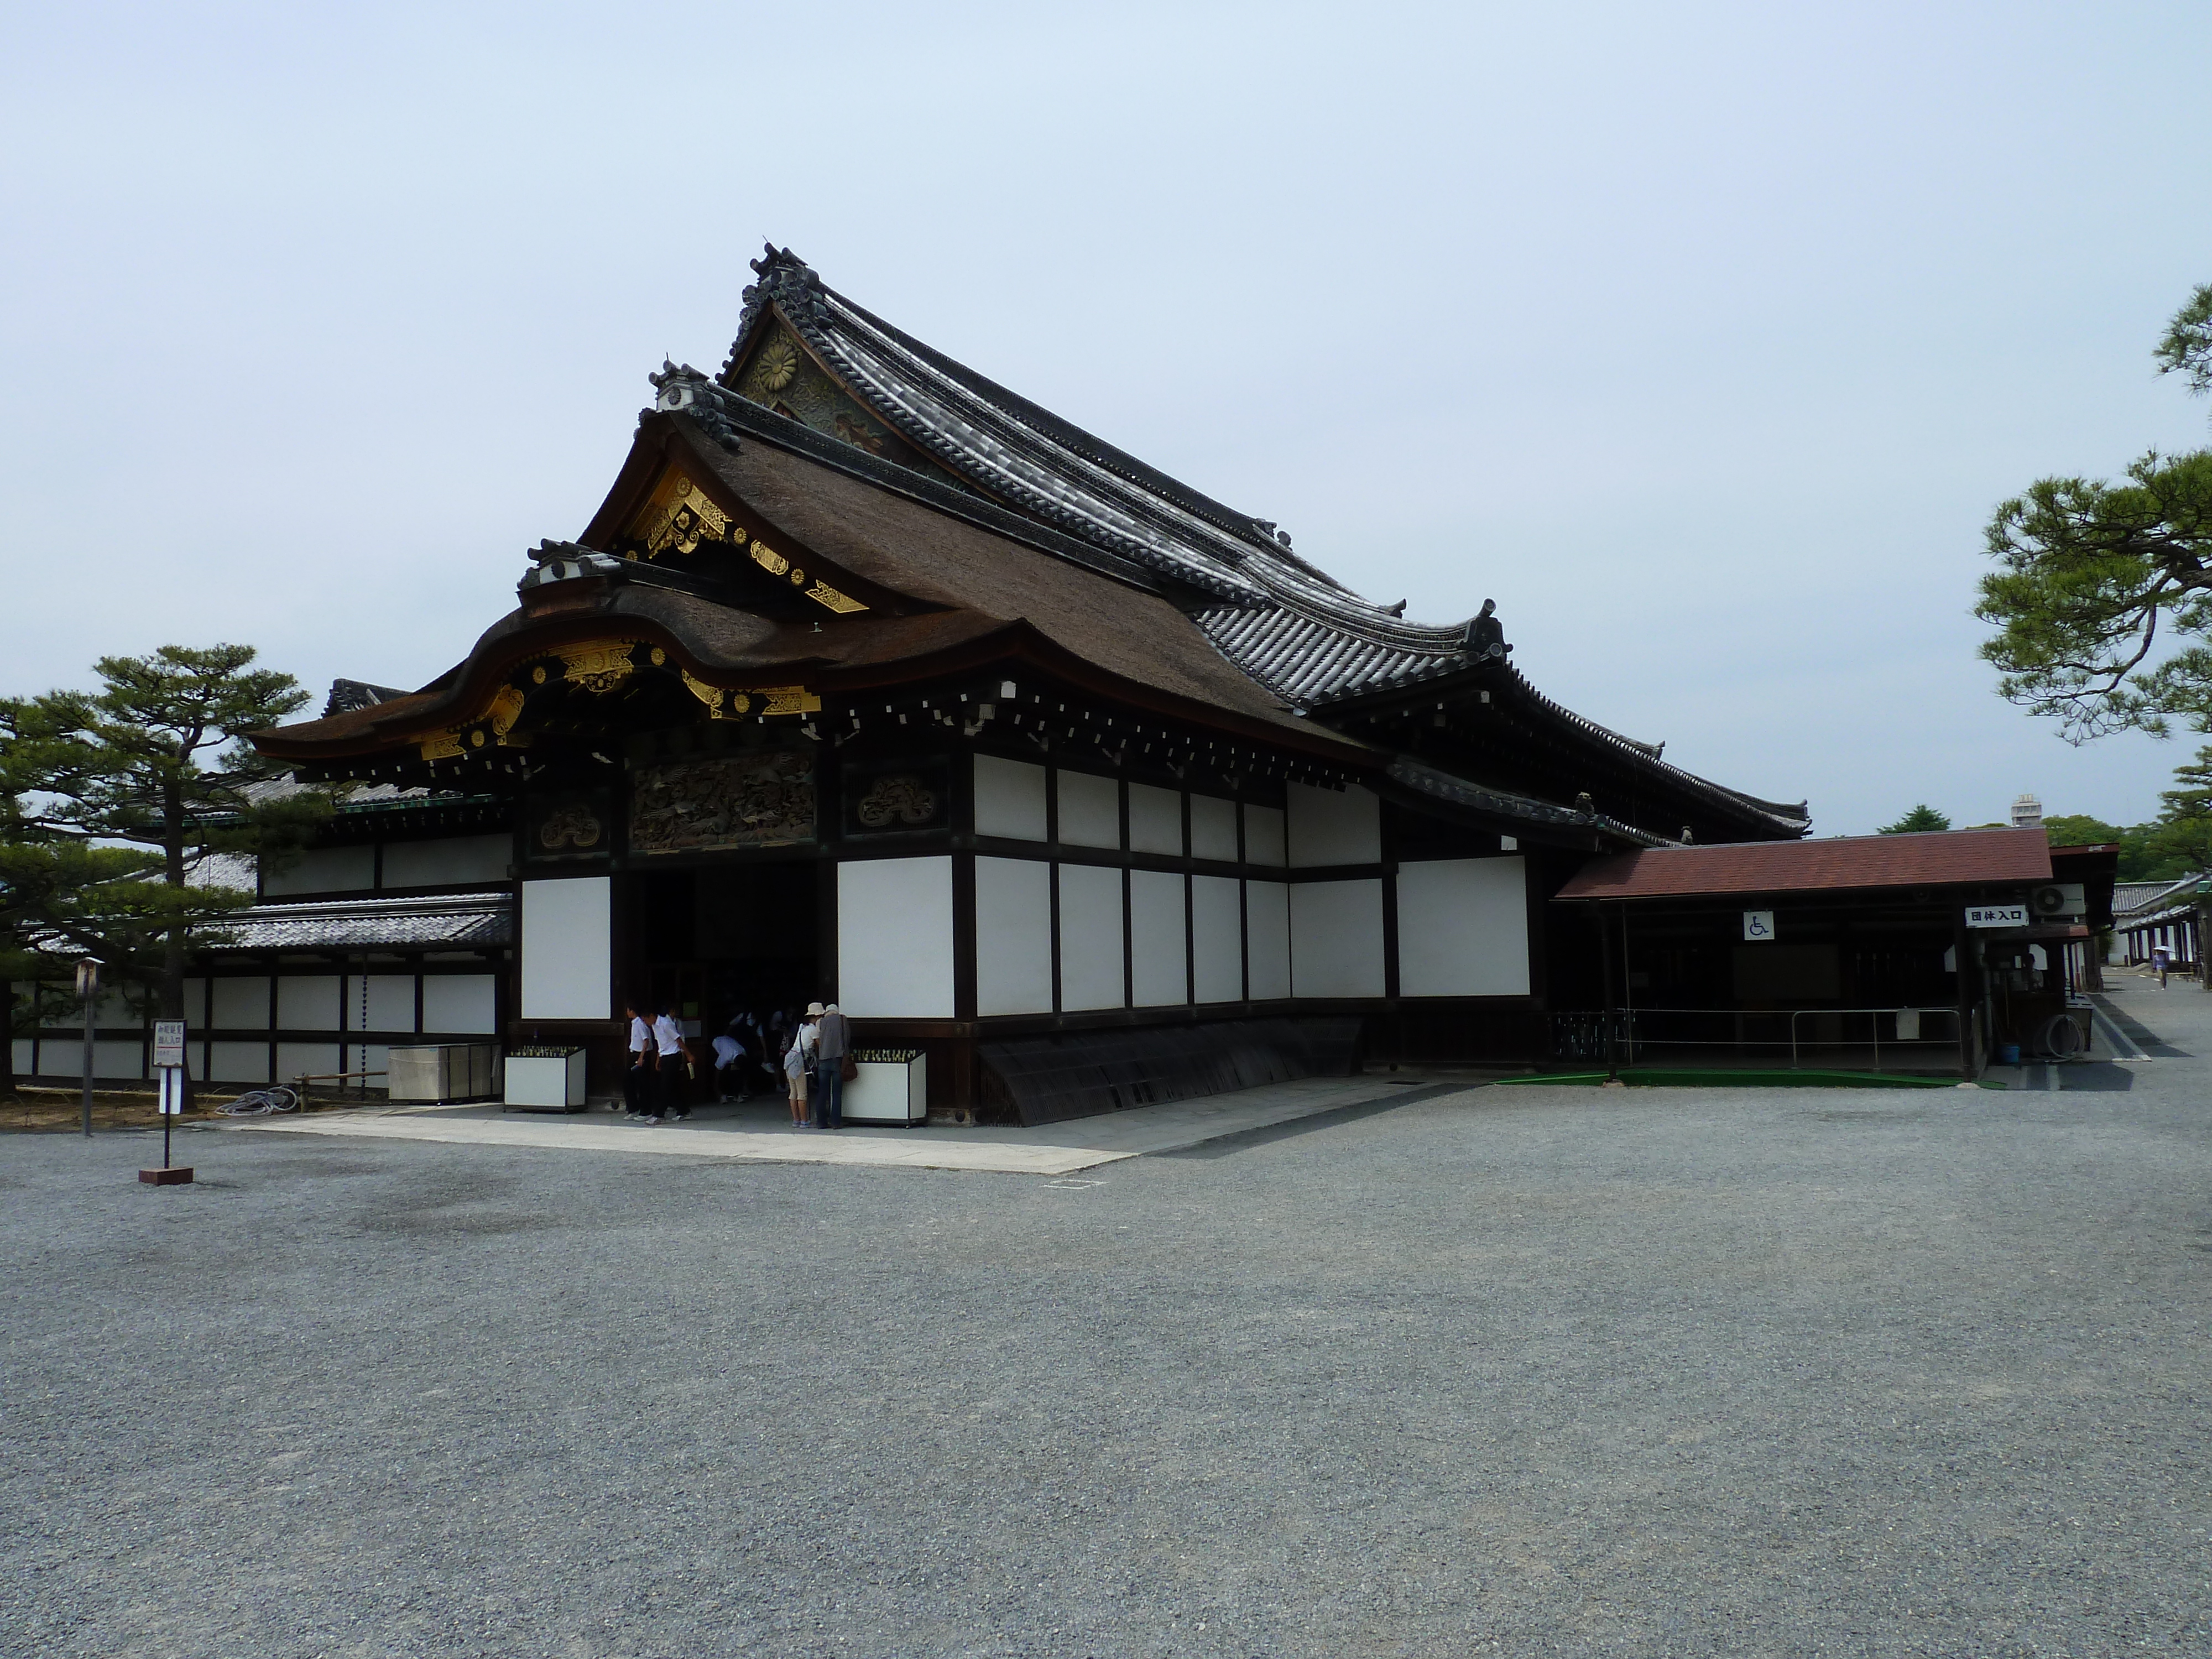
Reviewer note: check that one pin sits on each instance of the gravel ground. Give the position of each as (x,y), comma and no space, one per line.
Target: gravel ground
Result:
(1519,1370)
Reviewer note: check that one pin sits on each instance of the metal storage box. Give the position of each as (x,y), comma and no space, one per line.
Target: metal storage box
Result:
(440,1070)
(893,1086)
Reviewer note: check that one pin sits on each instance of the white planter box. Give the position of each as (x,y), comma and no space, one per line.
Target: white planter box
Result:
(546,1083)
(893,1087)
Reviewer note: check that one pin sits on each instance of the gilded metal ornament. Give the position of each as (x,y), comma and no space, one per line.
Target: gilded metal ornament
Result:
(679,517)
(600,666)
(777,365)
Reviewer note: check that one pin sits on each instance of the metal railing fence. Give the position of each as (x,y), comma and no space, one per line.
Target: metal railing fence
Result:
(1622,1035)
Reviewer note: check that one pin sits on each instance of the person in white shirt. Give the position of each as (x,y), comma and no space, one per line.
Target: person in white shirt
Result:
(797,1065)
(637,1081)
(671,1061)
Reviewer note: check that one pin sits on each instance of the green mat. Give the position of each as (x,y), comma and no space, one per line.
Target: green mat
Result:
(1653,1077)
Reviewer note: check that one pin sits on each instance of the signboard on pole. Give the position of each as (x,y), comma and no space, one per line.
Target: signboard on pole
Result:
(168,1042)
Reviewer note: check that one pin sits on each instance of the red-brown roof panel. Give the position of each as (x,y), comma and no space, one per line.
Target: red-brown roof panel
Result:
(1949,858)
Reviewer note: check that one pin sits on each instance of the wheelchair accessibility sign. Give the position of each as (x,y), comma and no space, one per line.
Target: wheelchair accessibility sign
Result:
(1758,925)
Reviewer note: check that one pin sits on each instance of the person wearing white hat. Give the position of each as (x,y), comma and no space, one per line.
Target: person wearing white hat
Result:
(833,1043)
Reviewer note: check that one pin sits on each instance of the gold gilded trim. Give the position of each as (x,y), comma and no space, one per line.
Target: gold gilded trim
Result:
(789,700)
(843,603)
(721,704)
(680,516)
(599,665)
(769,560)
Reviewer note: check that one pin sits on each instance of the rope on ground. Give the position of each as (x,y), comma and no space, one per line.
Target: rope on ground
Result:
(261,1102)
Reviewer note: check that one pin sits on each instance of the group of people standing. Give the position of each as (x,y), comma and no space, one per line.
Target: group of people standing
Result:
(812,1052)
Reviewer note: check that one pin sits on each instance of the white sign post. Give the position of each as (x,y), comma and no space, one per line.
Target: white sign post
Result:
(169,1062)
(1758,925)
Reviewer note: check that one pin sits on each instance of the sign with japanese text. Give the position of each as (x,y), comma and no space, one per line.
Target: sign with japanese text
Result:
(168,1042)
(1997,915)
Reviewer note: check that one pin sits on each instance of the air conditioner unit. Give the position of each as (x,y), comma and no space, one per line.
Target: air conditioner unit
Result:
(2060,901)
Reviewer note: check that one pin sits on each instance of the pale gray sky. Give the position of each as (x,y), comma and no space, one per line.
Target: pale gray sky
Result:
(1702,338)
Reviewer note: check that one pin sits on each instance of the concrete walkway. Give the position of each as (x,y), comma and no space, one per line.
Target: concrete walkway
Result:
(762,1134)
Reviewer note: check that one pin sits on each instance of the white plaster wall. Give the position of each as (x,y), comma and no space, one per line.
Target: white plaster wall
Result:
(313,1059)
(59,1057)
(238,1063)
(21,1053)
(1159,975)
(1263,835)
(1463,928)
(1336,938)
(453,859)
(1089,811)
(1009,798)
(241,1004)
(1155,820)
(1217,935)
(323,870)
(308,1002)
(1333,826)
(1013,934)
(1090,937)
(390,1003)
(457,1003)
(1212,828)
(1267,933)
(368,1057)
(568,949)
(195,1003)
(895,939)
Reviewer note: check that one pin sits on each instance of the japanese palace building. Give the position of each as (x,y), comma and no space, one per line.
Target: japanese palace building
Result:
(873,682)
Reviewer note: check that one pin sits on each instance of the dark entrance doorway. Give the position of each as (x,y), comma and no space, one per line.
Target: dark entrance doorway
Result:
(716,940)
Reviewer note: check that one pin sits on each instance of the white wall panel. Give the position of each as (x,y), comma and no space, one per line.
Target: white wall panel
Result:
(22,1051)
(322,870)
(1155,820)
(450,860)
(1217,935)
(388,1005)
(1263,835)
(118,1059)
(1089,938)
(568,949)
(196,1003)
(368,1057)
(241,1004)
(308,1002)
(1212,828)
(458,1004)
(238,1063)
(1159,971)
(314,1059)
(1013,935)
(895,939)
(1463,928)
(1090,809)
(1268,935)
(1009,798)
(1336,938)
(1333,826)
